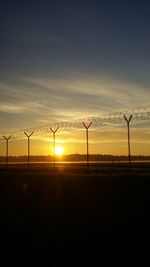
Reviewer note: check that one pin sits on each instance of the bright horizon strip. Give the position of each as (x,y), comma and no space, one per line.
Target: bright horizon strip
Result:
(106,141)
(109,138)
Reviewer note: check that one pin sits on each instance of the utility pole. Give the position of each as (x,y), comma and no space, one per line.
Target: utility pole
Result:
(54,132)
(87,141)
(7,139)
(28,136)
(128,127)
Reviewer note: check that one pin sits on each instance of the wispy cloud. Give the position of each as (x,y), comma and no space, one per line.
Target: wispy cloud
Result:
(69,98)
(11,108)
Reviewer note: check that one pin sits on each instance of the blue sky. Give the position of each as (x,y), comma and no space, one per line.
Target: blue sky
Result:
(51,37)
(70,59)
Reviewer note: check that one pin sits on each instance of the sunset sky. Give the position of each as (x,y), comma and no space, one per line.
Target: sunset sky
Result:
(66,60)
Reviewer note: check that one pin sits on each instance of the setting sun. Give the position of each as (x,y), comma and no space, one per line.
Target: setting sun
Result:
(59,150)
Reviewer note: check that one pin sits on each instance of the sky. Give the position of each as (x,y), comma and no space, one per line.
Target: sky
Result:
(64,60)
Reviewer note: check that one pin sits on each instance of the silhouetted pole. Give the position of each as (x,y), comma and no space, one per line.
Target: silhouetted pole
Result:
(28,136)
(54,132)
(87,141)
(7,139)
(128,126)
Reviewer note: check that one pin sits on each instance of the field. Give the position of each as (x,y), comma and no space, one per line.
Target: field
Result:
(74,215)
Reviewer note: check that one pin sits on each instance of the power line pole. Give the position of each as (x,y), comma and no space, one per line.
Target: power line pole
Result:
(54,132)
(128,127)
(7,139)
(28,136)
(87,141)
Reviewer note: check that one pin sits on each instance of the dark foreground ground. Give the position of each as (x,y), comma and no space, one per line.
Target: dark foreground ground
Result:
(72,216)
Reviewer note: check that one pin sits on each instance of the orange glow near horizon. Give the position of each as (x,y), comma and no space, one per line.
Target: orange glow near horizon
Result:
(113,141)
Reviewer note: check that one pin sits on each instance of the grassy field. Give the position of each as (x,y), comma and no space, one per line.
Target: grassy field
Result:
(73,215)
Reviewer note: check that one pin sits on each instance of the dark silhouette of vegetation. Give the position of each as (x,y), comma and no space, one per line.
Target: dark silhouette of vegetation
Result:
(76,157)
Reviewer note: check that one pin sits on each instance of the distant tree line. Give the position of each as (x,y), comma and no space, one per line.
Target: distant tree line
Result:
(75,157)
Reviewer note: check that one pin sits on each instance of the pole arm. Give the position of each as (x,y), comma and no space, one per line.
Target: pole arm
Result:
(54,131)
(87,126)
(7,138)
(128,120)
(28,135)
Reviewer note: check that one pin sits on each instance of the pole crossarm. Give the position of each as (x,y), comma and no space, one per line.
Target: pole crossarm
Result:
(7,138)
(54,131)
(87,126)
(28,135)
(128,119)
